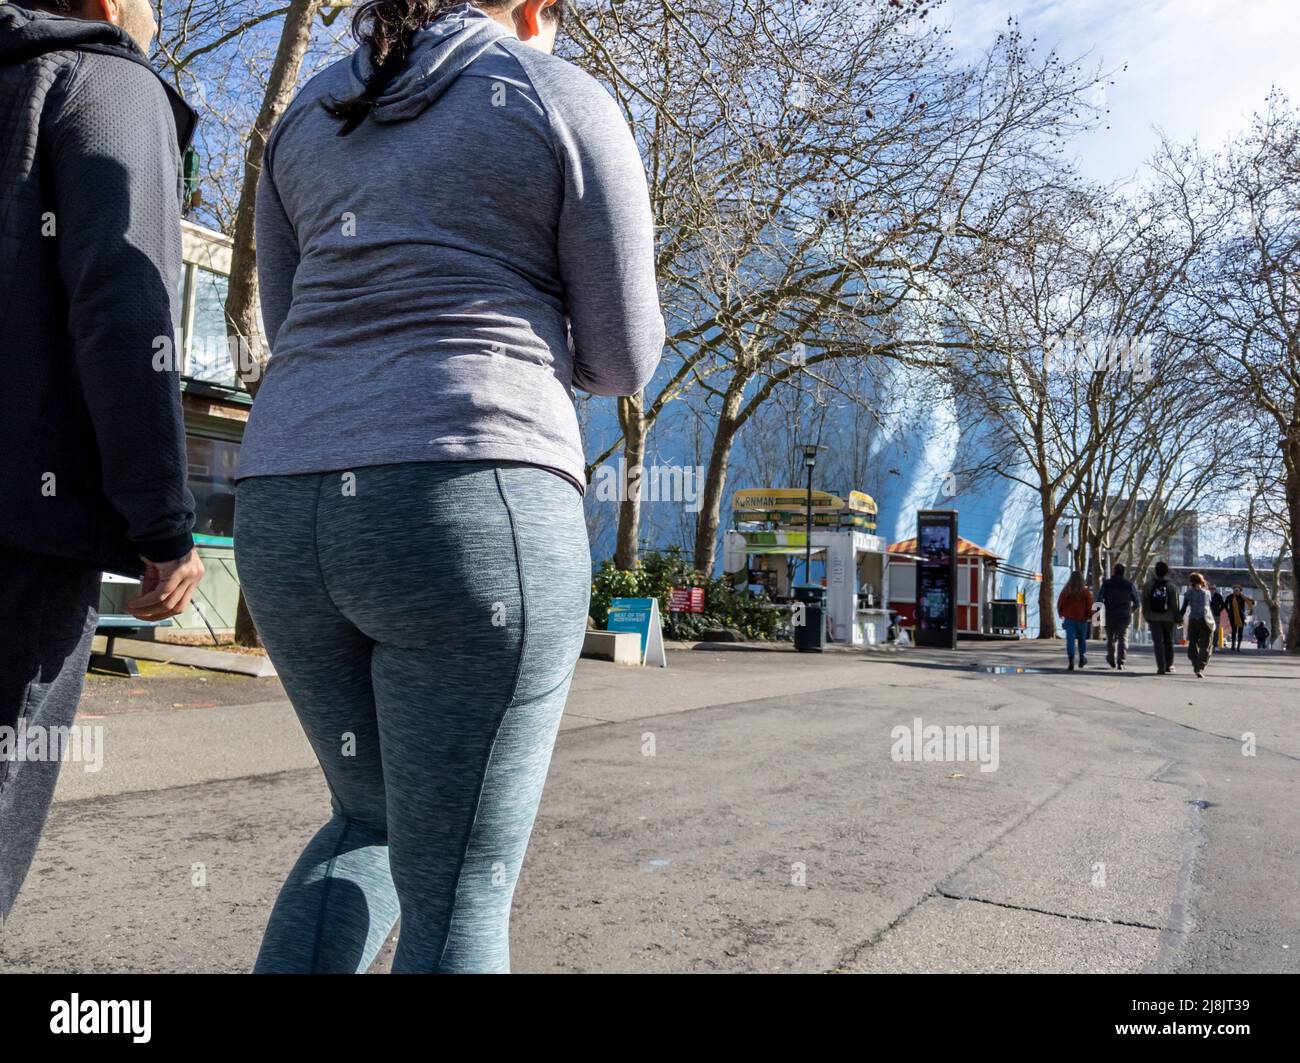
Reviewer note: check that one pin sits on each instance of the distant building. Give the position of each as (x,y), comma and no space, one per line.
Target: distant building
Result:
(1184,541)
(1178,547)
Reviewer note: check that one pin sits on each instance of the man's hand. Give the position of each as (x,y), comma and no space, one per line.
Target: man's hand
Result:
(166,587)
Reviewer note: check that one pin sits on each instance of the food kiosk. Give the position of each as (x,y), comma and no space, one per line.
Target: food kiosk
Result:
(768,541)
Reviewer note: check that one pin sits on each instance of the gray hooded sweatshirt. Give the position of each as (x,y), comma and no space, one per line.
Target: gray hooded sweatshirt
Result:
(434,282)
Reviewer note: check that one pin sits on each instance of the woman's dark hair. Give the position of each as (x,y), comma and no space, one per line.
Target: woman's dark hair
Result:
(388,27)
(1074,586)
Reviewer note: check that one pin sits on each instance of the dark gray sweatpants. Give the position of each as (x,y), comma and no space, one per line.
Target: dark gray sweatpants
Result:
(50,615)
(425,620)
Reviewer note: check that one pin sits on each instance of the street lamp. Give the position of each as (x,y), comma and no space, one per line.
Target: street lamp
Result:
(809,451)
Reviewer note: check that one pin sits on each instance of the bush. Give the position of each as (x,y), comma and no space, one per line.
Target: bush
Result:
(657,573)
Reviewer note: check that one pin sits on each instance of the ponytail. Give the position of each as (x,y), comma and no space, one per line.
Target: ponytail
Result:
(388,27)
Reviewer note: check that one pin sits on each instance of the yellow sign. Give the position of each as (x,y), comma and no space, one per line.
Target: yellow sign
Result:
(784,498)
(791,498)
(860,502)
(789,506)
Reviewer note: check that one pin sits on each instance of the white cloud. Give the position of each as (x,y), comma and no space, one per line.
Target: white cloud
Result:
(1194,67)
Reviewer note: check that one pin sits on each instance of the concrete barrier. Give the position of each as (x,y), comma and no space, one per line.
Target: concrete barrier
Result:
(621,647)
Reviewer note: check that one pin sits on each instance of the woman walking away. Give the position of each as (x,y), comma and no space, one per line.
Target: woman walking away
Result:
(1200,622)
(1160,607)
(1075,606)
(453,228)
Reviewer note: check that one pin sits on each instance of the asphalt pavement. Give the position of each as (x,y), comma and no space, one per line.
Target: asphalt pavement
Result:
(746,810)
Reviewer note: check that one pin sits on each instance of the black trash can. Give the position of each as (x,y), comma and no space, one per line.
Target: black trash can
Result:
(810,636)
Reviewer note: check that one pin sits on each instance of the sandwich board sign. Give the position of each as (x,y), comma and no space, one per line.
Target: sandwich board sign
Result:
(642,616)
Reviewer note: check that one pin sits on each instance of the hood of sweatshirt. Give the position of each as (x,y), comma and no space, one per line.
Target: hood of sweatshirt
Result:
(26,34)
(439,53)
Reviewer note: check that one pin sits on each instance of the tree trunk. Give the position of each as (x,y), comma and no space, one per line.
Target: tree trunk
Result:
(631,417)
(243,321)
(715,484)
(245,630)
(1292,467)
(1046,599)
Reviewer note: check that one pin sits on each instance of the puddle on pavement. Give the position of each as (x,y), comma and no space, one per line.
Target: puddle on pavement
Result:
(1010,669)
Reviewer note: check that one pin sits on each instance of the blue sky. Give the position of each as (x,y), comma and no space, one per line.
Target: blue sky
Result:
(1195,67)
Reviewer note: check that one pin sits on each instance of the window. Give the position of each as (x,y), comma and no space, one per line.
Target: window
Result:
(212,482)
(209,352)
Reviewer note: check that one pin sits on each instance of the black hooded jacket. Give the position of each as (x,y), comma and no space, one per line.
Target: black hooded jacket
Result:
(92,446)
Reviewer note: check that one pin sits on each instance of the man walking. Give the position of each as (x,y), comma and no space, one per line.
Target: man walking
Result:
(93,476)
(1238,607)
(1120,598)
(1160,607)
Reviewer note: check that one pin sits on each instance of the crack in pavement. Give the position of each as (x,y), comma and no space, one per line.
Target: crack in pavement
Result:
(1044,911)
(851,955)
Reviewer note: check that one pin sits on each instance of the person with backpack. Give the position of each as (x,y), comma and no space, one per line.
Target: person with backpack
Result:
(1074,604)
(1196,609)
(1261,634)
(1160,607)
(1120,598)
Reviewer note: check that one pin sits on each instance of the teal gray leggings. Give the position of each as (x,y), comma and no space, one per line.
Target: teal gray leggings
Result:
(425,620)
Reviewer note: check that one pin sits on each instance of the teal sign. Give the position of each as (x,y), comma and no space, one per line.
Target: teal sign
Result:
(631,614)
(642,616)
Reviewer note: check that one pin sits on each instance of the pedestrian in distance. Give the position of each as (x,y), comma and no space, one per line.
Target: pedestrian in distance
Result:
(1196,612)
(453,230)
(1160,608)
(1261,634)
(1238,607)
(1120,599)
(1074,604)
(1216,607)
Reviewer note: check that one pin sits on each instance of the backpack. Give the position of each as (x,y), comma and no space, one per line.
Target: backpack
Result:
(1161,599)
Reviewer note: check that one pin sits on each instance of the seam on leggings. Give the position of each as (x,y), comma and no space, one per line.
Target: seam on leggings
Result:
(510,703)
(315,549)
(325,896)
(337,800)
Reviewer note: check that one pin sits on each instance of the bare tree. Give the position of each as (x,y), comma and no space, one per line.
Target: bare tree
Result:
(1249,294)
(1266,519)
(1065,309)
(243,319)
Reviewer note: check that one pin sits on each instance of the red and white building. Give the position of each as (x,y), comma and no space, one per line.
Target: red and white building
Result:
(977,571)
